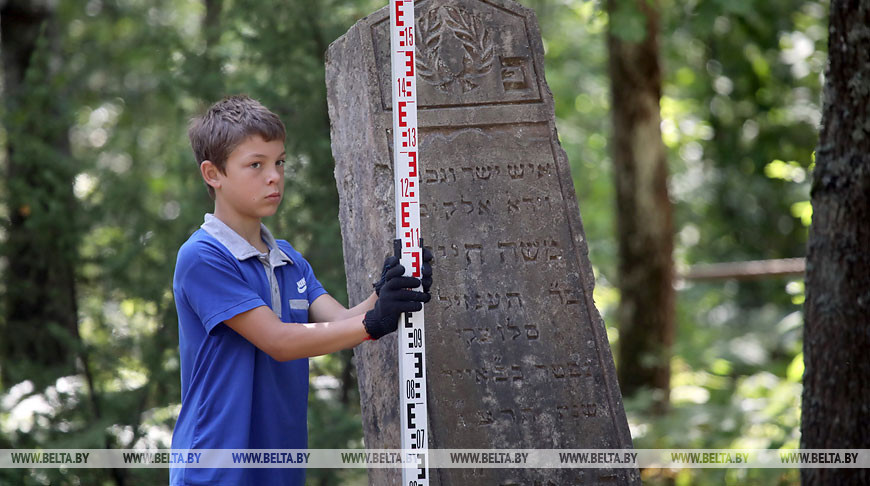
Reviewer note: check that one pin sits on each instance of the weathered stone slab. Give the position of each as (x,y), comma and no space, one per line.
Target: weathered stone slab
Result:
(517,354)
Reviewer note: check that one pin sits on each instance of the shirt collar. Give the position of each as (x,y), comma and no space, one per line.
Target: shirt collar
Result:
(239,247)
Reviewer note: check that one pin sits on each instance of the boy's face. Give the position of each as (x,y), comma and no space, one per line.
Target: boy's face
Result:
(254,182)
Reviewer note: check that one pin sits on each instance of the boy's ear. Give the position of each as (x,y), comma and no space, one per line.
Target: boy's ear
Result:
(210,173)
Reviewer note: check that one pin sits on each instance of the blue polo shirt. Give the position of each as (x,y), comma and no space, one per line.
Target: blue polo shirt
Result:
(233,395)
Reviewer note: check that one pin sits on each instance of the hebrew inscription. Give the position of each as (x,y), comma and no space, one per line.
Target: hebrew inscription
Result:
(471,207)
(522,371)
(493,172)
(498,334)
(516,353)
(510,252)
(485,302)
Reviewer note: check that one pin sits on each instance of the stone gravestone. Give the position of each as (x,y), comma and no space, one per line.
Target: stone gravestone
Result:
(517,354)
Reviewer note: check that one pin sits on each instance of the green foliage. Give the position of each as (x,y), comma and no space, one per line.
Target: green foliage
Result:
(334,416)
(740,110)
(40,206)
(132,73)
(628,22)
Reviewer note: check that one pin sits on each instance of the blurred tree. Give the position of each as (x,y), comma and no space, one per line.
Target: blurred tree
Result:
(739,115)
(741,102)
(644,222)
(837,327)
(41,312)
(132,74)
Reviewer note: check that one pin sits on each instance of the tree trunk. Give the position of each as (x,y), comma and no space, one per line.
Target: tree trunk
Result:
(644,225)
(210,78)
(40,332)
(836,391)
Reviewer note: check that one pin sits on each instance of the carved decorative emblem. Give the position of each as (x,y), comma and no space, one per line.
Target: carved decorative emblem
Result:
(437,33)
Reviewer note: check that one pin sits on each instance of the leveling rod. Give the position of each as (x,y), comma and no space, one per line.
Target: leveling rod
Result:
(408,245)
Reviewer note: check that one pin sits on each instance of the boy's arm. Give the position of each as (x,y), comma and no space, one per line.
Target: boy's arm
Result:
(326,309)
(285,342)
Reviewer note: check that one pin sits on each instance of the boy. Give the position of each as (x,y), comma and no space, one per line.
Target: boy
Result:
(250,309)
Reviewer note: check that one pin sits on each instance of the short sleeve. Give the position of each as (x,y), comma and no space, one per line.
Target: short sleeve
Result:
(315,289)
(214,287)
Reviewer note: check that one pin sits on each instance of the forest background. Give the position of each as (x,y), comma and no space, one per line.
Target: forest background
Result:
(110,190)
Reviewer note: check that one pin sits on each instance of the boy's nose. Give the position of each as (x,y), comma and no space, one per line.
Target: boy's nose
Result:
(272,176)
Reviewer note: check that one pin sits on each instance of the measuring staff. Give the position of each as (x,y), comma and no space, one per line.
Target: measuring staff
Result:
(408,244)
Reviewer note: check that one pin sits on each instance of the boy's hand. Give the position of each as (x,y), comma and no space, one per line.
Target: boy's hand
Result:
(426,271)
(394,300)
(389,263)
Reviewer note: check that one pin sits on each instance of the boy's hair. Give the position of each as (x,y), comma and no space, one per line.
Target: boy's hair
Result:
(214,135)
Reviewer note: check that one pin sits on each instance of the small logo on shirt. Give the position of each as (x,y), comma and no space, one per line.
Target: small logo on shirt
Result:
(299,304)
(301,286)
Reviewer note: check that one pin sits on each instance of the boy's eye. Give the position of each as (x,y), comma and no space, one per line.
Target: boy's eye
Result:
(255,165)
(280,163)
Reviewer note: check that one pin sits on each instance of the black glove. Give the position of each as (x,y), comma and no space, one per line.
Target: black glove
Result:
(394,300)
(389,263)
(426,271)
